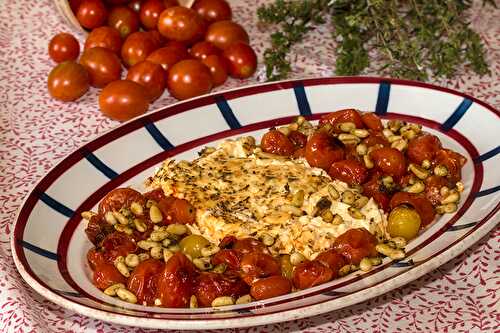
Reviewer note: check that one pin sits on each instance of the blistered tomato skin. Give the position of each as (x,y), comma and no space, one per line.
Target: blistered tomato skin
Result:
(433,185)
(372,121)
(423,147)
(258,265)
(209,286)
(298,139)
(272,286)
(275,142)
(373,189)
(143,280)
(117,244)
(453,162)
(311,273)
(106,275)
(342,116)
(176,210)
(229,257)
(118,198)
(390,161)
(322,150)
(176,282)
(333,260)
(349,171)
(356,244)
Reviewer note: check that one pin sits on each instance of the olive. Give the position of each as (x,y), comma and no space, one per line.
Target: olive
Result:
(286,266)
(403,222)
(193,244)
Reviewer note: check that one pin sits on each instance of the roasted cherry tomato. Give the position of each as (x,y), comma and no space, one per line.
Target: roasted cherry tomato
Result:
(342,116)
(123,19)
(311,273)
(106,275)
(272,286)
(177,211)
(242,60)
(372,121)
(299,153)
(91,14)
(143,280)
(349,171)
(150,13)
(176,282)
(421,204)
(156,195)
(213,10)
(298,139)
(247,245)
(356,244)
(103,66)
(257,265)
(169,55)
(376,139)
(117,244)
(231,258)
(106,37)
(332,259)
(453,162)
(209,286)
(227,242)
(64,47)
(374,189)
(219,67)
(203,49)
(224,33)
(95,258)
(123,100)
(390,161)
(433,185)
(189,78)
(97,229)
(403,221)
(137,47)
(181,24)
(275,142)
(68,81)
(151,76)
(423,147)
(119,198)
(322,150)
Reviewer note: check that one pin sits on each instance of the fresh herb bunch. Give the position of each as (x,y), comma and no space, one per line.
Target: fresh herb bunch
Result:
(415,39)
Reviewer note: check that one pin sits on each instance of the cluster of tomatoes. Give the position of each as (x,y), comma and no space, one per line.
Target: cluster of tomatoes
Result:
(163,45)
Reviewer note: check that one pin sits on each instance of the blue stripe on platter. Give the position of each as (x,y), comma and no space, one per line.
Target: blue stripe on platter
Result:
(37,250)
(158,136)
(384,93)
(98,164)
(55,205)
(486,156)
(456,115)
(301,97)
(227,112)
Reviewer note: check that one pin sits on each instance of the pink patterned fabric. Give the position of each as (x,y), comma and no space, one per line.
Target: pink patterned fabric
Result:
(36,131)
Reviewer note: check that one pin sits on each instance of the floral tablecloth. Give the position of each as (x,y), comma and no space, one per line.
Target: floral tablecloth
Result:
(36,131)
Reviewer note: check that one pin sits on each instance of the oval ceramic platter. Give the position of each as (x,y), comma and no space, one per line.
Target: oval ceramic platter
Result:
(49,242)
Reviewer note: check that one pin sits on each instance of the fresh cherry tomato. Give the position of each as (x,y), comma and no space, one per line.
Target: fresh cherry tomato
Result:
(123,19)
(332,259)
(178,211)
(157,38)
(95,258)
(189,78)
(322,150)
(106,275)
(119,198)
(64,47)
(421,204)
(150,12)
(272,286)
(209,286)
(103,66)
(423,147)
(342,116)
(213,10)
(219,68)
(433,185)
(74,4)
(453,162)
(91,14)
(356,244)
(68,81)
(298,139)
(372,121)
(389,160)
(169,55)
(275,142)
(231,258)
(123,100)
(117,244)
(106,37)
(135,5)
(349,171)
(151,76)
(116,2)
(311,273)
(203,49)
(137,47)
(144,279)
(181,24)
(374,189)
(224,33)
(176,282)
(242,60)
(248,245)
(256,265)
(97,229)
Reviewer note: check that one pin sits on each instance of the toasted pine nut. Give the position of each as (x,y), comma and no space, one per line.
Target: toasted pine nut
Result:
(159,234)
(417,128)
(122,268)
(174,248)
(368,161)
(376,261)
(451,198)
(394,125)
(361,149)
(410,134)
(327,215)
(426,164)
(132,260)
(348,197)
(193,302)
(156,252)
(440,170)
(293,126)
(300,120)
(147,244)
(87,215)
(400,242)
(212,249)
(444,191)
(344,270)
(110,218)
(136,208)
(244,299)
(351,138)
(222,301)
(394,138)
(166,242)
(267,239)
(360,202)
(387,132)
(157,302)
(140,225)
(347,126)
(123,228)
(355,213)
(360,133)
(298,198)
(400,145)
(460,186)
(143,256)
(167,254)
(418,187)
(447,208)
(292,210)
(111,290)
(337,219)
(296,258)
(121,218)
(202,264)
(332,191)
(284,130)
(155,214)
(177,229)
(390,252)
(126,295)
(365,265)
(418,171)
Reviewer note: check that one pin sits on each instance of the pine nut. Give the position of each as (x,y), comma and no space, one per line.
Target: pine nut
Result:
(220,268)
(337,219)
(460,186)
(126,295)
(360,133)
(110,218)
(451,198)
(147,244)
(166,242)
(212,249)
(297,258)
(418,187)
(387,132)
(348,197)
(417,128)
(159,234)
(399,242)
(394,125)
(132,260)
(344,270)
(193,302)
(298,198)
(136,208)
(284,130)
(355,213)
(122,268)
(400,145)
(360,202)
(177,229)
(368,161)
(292,210)
(123,228)
(376,261)
(157,302)
(222,301)
(394,254)
(447,208)
(174,248)
(444,191)
(348,138)
(410,134)
(203,264)
(300,120)
(143,256)
(418,171)
(111,290)
(140,225)
(426,164)
(327,215)
(387,181)
(347,126)
(440,170)
(156,252)
(267,239)
(293,126)
(244,299)
(365,265)
(332,191)
(393,138)
(121,218)
(87,215)
(167,254)
(361,149)
(155,214)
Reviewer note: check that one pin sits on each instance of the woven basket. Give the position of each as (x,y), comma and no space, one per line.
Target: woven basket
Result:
(66,12)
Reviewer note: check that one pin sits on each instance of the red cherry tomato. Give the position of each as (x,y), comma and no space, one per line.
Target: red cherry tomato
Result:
(453,161)
(91,14)
(74,4)
(189,78)
(213,10)
(143,280)
(149,13)
(176,282)
(224,33)
(298,139)
(299,153)
(106,275)
(68,81)
(311,273)
(117,244)
(333,260)
(119,198)
(342,116)
(272,286)
(95,258)
(256,265)
(242,60)
(209,286)
(374,189)
(123,100)
(168,55)
(372,121)
(389,160)
(157,38)
(123,19)
(376,139)
(433,185)
(63,47)
(349,171)
(97,229)
(180,211)
(151,76)
(275,142)
(423,147)
(103,66)
(231,258)
(219,68)
(356,244)
(421,204)
(322,150)
(248,245)
(106,37)
(137,47)
(135,5)
(203,49)
(181,24)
